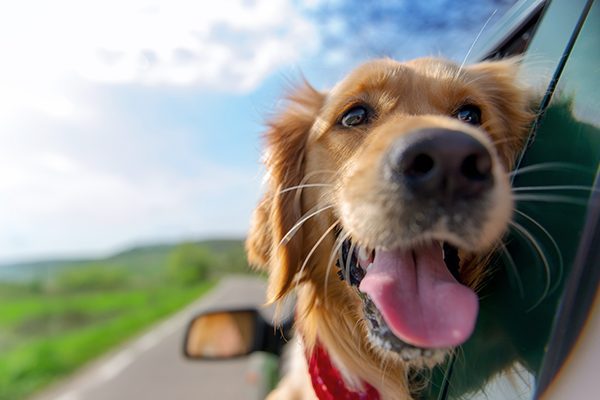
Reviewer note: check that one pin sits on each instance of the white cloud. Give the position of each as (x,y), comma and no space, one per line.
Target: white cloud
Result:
(226,45)
(82,165)
(56,204)
(79,175)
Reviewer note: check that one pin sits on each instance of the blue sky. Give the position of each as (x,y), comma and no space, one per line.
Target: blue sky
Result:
(125,123)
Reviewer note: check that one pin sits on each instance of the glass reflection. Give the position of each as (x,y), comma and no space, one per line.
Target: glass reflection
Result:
(221,335)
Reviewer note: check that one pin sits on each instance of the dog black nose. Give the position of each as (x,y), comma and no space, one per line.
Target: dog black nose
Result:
(442,164)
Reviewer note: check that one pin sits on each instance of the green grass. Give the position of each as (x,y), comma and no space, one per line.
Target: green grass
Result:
(56,315)
(46,336)
(146,262)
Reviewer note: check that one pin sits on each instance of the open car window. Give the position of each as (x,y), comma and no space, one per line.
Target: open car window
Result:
(537,301)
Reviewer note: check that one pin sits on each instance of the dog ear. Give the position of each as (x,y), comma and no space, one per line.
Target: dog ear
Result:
(510,97)
(274,241)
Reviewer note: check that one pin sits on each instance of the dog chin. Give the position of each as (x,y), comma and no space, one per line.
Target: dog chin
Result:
(388,345)
(400,286)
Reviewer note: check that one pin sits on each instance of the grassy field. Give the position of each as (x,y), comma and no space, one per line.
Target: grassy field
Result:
(43,337)
(56,322)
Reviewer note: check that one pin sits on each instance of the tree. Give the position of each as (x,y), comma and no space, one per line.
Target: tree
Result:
(189,263)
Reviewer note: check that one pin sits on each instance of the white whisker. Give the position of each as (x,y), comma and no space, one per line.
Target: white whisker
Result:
(338,245)
(306,185)
(505,139)
(304,182)
(353,332)
(525,233)
(475,42)
(550,199)
(298,224)
(311,252)
(556,187)
(556,248)
(550,166)
(514,268)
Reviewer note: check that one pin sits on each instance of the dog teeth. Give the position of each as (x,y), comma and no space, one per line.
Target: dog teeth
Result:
(363,254)
(369,266)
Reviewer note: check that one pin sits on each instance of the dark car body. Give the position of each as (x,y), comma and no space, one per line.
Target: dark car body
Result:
(537,302)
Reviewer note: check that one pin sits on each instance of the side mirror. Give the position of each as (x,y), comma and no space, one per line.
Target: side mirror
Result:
(232,333)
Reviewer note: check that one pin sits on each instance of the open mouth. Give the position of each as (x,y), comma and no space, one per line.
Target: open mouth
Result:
(413,300)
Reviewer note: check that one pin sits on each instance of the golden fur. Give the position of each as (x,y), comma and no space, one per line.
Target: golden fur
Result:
(305,146)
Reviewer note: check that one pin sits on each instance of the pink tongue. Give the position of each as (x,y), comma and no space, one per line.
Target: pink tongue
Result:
(419,299)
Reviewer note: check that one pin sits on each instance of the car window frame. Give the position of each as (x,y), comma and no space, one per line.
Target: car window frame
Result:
(582,284)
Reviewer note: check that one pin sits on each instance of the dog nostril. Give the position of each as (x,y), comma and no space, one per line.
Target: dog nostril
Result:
(421,165)
(440,164)
(476,167)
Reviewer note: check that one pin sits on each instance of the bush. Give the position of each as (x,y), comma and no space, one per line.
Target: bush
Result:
(93,277)
(189,264)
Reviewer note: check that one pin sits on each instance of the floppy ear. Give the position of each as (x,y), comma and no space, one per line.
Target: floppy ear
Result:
(512,100)
(273,242)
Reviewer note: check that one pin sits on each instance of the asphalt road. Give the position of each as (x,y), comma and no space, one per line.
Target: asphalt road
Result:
(152,366)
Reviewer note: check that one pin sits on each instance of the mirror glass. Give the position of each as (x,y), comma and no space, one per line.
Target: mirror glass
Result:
(221,334)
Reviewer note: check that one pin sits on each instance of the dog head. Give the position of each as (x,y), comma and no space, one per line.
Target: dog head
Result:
(398,177)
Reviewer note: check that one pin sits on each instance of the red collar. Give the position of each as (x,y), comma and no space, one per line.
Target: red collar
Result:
(328,382)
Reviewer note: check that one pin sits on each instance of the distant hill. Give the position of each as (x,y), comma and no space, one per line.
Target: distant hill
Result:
(146,258)
(24,271)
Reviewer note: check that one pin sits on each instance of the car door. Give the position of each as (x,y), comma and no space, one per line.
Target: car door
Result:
(533,308)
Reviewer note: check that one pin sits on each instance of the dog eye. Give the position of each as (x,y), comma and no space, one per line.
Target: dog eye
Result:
(355,116)
(470,114)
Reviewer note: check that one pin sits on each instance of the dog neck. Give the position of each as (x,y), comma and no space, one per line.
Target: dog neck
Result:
(327,380)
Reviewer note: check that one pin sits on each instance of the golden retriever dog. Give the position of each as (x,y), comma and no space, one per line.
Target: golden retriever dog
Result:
(385,198)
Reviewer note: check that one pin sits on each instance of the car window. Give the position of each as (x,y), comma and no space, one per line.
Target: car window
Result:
(519,306)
